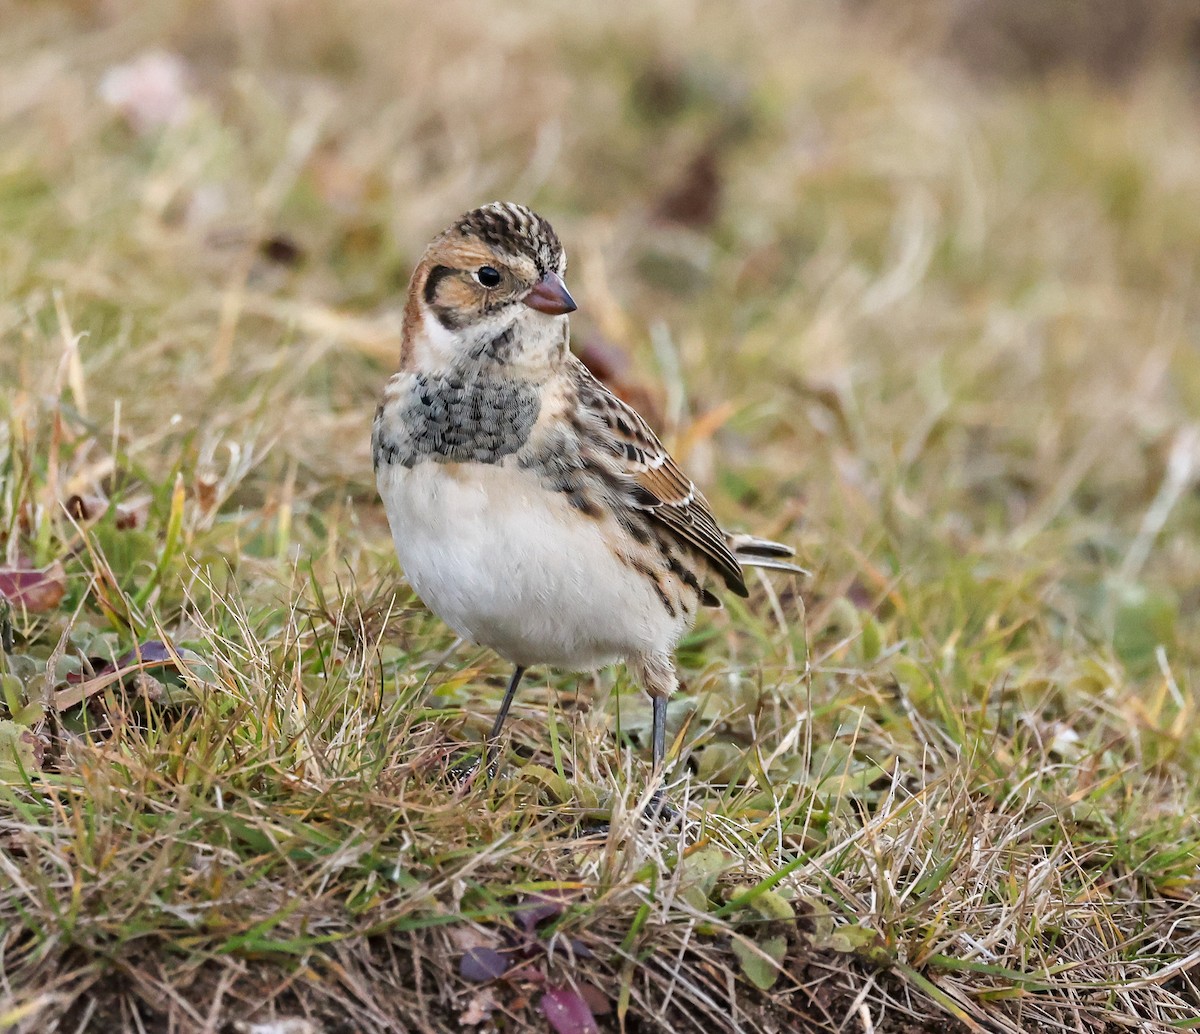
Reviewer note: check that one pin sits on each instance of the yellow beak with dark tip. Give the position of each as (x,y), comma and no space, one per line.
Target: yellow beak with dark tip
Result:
(550,295)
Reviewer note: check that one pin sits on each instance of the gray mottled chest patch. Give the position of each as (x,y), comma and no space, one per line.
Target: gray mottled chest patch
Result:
(498,347)
(451,418)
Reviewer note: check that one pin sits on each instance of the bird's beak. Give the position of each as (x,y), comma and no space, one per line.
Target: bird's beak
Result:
(550,295)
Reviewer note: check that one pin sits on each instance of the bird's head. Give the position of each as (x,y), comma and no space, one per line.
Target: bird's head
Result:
(489,289)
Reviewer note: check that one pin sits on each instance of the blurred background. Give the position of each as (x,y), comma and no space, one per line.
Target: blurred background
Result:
(909,283)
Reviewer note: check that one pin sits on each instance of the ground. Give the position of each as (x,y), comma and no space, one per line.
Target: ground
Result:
(927,313)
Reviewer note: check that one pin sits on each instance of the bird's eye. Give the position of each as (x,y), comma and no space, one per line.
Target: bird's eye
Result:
(487,276)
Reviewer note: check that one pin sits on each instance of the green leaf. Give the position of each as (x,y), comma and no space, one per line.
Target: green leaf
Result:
(760,962)
(846,939)
(705,866)
(19,753)
(770,904)
(861,942)
(554,785)
(13,692)
(871,643)
(816,917)
(1143,621)
(718,761)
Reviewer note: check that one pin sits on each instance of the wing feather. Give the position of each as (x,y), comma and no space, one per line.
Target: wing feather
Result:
(658,487)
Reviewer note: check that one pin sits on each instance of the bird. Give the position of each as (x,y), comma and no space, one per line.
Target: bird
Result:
(532,510)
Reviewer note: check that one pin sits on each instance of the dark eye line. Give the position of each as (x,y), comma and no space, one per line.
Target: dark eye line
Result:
(436,275)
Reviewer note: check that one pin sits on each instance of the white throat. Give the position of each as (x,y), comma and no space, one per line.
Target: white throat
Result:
(538,343)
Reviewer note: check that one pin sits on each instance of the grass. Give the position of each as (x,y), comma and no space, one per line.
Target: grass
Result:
(939,335)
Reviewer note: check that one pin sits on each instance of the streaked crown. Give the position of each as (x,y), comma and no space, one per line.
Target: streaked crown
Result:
(512,231)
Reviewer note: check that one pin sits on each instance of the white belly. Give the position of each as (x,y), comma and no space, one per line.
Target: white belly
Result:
(512,566)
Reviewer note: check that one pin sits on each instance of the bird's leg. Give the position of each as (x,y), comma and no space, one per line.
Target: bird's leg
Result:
(667,813)
(660,733)
(656,672)
(505,704)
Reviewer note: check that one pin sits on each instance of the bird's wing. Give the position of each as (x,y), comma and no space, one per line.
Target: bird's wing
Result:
(657,486)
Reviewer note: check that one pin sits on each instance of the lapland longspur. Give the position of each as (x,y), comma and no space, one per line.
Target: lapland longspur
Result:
(532,510)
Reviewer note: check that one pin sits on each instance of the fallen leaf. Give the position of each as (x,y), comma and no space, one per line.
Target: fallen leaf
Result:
(151,654)
(596,999)
(481,964)
(465,936)
(35,591)
(568,1012)
(540,907)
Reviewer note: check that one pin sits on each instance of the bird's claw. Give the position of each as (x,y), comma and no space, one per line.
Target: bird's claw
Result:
(465,769)
(662,811)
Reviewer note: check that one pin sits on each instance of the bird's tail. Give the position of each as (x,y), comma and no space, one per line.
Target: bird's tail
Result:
(752,552)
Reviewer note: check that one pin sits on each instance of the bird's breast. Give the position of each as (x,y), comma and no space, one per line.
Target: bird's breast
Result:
(453,417)
(514,566)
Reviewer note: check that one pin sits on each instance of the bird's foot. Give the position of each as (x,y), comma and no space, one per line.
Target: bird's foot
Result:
(662,812)
(466,768)
(658,812)
(593,827)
